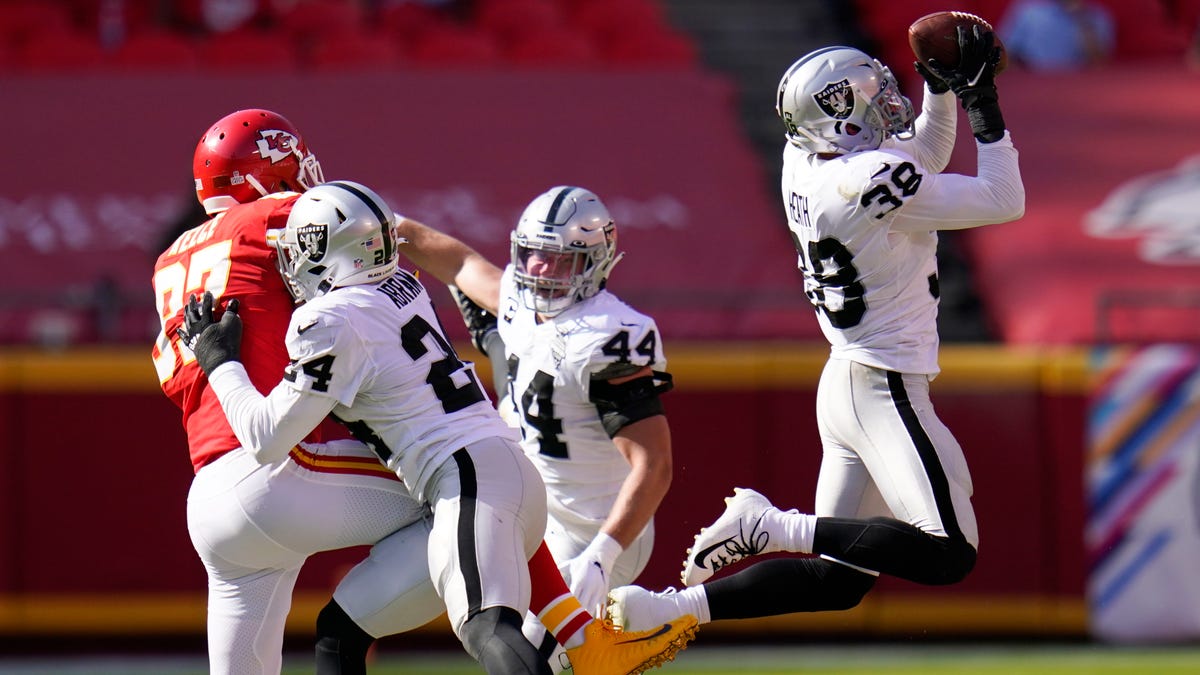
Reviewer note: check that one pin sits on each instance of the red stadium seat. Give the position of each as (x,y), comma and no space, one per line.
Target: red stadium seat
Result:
(354,50)
(607,19)
(455,46)
(651,47)
(130,16)
(509,20)
(155,50)
(887,21)
(250,50)
(7,61)
(60,51)
(309,19)
(887,24)
(1146,29)
(553,47)
(21,19)
(408,20)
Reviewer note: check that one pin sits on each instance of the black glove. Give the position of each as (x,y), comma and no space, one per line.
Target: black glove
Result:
(936,84)
(480,322)
(213,342)
(973,81)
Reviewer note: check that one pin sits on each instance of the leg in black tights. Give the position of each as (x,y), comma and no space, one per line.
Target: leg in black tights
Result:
(896,548)
(786,585)
(493,637)
(886,545)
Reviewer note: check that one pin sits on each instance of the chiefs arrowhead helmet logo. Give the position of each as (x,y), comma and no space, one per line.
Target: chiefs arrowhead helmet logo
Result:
(276,145)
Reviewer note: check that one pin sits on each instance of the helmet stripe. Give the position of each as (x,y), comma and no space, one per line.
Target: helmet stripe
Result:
(384,221)
(552,215)
(374,206)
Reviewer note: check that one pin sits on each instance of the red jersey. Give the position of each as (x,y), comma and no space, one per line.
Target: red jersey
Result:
(229,256)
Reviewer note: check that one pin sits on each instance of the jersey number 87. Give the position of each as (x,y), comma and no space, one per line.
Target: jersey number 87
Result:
(207,270)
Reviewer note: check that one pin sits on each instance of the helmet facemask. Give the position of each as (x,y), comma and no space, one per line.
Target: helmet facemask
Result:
(552,279)
(890,111)
(310,175)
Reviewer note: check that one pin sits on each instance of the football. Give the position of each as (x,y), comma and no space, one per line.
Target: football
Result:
(935,36)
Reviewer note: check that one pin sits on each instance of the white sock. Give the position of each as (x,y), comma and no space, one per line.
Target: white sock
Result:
(694,600)
(790,531)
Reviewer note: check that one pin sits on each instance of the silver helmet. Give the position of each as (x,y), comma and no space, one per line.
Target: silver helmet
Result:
(563,248)
(338,234)
(840,100)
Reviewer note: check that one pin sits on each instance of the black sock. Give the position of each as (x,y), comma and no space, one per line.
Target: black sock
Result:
(341,644)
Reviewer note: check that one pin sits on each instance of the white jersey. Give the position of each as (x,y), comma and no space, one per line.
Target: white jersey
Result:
(557,360)
(864,227)
(379,351)
(375,357)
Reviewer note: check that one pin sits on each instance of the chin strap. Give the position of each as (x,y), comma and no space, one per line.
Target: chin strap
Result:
(256,185)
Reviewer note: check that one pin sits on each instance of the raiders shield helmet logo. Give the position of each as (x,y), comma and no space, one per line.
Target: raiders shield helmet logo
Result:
(314,239)
(836,99)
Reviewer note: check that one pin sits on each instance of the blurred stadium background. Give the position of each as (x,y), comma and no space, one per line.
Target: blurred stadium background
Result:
(1071,369)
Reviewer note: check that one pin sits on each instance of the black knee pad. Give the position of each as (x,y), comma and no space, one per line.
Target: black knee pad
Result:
(843,587)
(959,560)
(333,622)
(493,637)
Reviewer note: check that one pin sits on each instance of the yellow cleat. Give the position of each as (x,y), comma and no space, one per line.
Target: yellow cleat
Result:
(608,650)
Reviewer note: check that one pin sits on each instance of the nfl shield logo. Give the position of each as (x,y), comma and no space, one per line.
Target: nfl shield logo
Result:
(836,99)
(313,239)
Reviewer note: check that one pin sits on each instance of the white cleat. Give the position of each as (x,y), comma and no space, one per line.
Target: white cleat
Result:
(736,535)
(633,608)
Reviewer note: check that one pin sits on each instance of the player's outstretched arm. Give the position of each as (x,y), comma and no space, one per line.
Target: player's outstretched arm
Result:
(452,261)
(633,416)
(996,194)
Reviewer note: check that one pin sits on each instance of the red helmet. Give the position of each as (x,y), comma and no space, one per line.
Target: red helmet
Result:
(249,154)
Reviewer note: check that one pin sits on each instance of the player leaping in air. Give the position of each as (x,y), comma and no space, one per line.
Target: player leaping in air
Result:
(865,196)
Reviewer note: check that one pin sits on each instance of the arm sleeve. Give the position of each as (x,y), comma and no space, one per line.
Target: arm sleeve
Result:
(631,401)
(267,426)
(934,131)
(956,202)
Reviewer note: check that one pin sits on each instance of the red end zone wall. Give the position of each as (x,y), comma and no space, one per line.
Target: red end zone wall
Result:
(462,151)
(96,475)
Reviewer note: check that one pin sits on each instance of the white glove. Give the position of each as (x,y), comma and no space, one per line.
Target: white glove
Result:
(587,574)
(508,411)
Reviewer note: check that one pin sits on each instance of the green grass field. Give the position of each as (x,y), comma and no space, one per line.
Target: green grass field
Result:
(851,659)
(841,659)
